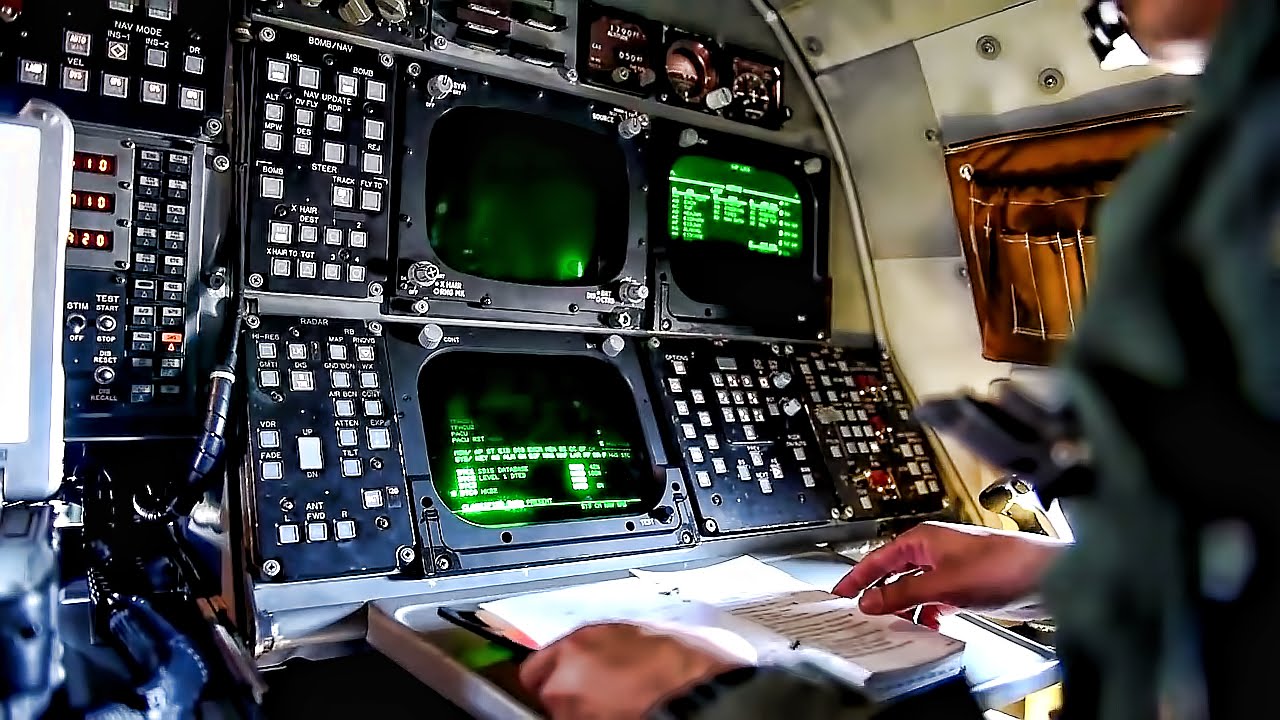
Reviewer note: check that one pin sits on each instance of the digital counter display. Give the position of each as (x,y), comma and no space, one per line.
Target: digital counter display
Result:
(518,439)
(93,201)
(94,163)
(717,201)
(91,239)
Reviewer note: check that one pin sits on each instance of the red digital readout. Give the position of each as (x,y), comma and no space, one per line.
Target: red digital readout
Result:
(93,201)
(91,239)
(95,163)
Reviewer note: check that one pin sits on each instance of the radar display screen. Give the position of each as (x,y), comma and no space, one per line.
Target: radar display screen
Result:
(517,439)
(717,201)
(519,198)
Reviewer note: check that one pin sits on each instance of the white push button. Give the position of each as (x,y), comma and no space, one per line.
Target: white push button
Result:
(379,438)
(287,534)
(272,470)
(269,439)
(344,408)
(368,380)
(347,437)
(310,455)
(372,499)
(352,467)
(317,532)
(346,529)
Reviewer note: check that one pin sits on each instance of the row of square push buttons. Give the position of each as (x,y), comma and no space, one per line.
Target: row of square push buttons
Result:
(283,267)
(334,153)
(298,351)
(311,457)
(309,77)
(78,43)
(344,196)
(282,234)
(153,92)
(333,122)
(288,533)
(304,380)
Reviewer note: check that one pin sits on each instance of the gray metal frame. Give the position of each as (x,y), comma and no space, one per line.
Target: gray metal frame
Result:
(31,469)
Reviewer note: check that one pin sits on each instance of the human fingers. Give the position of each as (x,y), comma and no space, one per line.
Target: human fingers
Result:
(904,553)
(931,587)
(538,667)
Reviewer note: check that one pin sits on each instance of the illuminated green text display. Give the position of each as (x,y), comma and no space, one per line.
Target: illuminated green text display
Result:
(718,201)
(521,439)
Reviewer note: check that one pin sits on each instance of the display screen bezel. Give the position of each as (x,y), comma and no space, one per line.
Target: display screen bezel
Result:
(644,530)
(787,298)
(452,294)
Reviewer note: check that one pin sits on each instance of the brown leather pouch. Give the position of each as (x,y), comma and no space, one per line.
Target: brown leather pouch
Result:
(1025,205)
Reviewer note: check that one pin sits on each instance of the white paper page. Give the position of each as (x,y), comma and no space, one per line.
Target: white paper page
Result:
(817,620)
(547,616)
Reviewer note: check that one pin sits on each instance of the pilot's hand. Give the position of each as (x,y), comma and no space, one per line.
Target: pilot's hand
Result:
(994,572)
(619,671)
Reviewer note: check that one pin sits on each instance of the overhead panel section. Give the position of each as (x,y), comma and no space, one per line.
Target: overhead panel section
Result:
(834,32)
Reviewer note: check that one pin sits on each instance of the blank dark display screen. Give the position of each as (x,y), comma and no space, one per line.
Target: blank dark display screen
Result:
(520,198)
(518,439)
(717,201)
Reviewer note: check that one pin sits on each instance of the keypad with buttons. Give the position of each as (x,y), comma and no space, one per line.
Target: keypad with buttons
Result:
(321,190)
(751,464)
(128,374)
(880,457)
(325,449)
(101,66)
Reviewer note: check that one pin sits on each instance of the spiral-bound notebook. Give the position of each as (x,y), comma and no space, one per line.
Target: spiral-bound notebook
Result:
(754,610)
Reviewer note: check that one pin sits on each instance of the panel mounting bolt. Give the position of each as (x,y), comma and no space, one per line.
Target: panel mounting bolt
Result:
(571,75)
(686,537)
(443,563)
(222,163)
(255,280)
(406,554)
(375,289)
(386,60)
(988,47)
(271,568)
(848,513)
(813,45)
(835,513)
(711,525)
(440,42)
(267,34)
(213,127)
(375,327)
(253,321)
(655,343)
(422,307)
(414,69)
(1052,80)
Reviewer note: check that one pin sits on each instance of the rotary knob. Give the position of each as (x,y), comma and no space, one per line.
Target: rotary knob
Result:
(792,407)
(104,375)
(632,292)
(355,12)
(688,138)
(431,336)
(613,346)
(76,323)
(440,87)
(632,127)
(394,11)
(720,99)
(780,379)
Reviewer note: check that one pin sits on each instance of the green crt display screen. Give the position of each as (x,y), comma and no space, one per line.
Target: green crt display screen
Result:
(718,201)
(516,439)
(524,199)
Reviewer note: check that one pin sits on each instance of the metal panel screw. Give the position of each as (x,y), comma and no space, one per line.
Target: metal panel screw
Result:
(1051,80)
(813,45)
(271,568)
(440,42)
(711,525)
(988,47)
(414,69)
(931,135)
(375,289)
(213,127)
(406,554)
(835,513)
(422,307)
(686,537)
(375,327)
(571,75)
(253,321)
(443,563)
(267,34)
(222,163)
(255,280)
(386,60)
